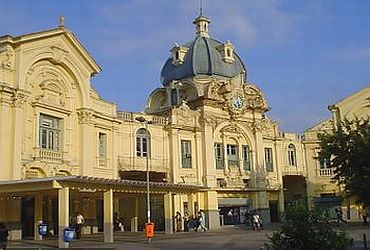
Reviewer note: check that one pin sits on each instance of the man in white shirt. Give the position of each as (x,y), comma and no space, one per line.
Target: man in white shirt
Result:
(79,223)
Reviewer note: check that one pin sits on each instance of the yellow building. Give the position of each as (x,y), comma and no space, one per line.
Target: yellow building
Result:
(323,192)
(204,139)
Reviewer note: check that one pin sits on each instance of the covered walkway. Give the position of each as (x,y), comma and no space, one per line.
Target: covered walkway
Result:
(70,194)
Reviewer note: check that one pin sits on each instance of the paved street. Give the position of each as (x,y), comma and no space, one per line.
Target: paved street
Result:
(225,238)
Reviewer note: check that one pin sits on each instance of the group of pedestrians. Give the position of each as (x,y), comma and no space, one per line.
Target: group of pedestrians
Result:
(198,221)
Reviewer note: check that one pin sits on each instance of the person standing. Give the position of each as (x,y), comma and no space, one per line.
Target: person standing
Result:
(178,219)
(80,220)
(339,214)
(3,236)
(256,221)
(186,222)
(364,215)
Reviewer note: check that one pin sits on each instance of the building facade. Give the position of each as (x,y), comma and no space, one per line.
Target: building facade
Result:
(205,140)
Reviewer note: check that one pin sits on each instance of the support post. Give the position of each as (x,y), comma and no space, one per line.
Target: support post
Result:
(168,216)
(63,215)
(38,216)
(108,216)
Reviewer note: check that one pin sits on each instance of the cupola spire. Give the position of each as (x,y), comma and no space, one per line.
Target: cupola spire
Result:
(201,23)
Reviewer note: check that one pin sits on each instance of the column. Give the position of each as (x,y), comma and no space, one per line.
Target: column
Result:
(168,214)
(211,209)
(63,215)
(38,216)
(108,216)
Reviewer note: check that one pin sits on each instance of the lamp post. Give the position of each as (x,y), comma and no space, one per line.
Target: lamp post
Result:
(146,122)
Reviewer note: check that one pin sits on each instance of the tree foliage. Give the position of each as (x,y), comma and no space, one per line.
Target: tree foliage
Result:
(347,151)
(303,229)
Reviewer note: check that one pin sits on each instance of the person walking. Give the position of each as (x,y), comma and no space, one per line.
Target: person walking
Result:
(80,220)
(3,236)
(202,220)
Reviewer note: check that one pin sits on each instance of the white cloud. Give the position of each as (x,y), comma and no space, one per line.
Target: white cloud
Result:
(148,26)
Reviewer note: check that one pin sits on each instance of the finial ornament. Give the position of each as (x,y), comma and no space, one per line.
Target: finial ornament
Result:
(201,8)
(61,21)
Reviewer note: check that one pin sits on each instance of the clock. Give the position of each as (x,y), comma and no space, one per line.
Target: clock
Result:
(237,102)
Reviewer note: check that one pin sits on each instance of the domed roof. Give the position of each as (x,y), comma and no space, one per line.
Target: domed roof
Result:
(203,56)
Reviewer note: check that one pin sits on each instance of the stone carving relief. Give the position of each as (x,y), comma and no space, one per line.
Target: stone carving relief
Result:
(185,116)
(59,54)
(86,116)
(237,99)
(209,120)
(48,85)
(7,57)
(19,98)
(233,176)
(254,98)
(47,169)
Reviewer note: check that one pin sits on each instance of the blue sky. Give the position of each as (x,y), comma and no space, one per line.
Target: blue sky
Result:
(303,54)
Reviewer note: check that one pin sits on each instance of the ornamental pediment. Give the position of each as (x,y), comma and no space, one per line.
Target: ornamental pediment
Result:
(237,99)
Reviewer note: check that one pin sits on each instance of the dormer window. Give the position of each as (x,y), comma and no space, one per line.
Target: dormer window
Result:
(227,52)
(178,54)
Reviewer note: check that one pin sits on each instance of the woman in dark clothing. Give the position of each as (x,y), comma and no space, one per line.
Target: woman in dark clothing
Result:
(3,236)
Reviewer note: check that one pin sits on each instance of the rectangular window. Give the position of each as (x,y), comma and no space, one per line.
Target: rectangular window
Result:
(102,145)
(268,160)
(142,143)
(219,156)
(49,132)
(246,158)
(232,155)
(185,154)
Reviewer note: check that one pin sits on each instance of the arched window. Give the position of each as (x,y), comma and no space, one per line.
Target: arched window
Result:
(142,142)
(292,155)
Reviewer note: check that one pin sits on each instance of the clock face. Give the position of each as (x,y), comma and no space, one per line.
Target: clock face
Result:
(237,102)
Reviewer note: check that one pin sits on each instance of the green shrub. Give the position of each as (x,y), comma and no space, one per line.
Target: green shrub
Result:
(307,230)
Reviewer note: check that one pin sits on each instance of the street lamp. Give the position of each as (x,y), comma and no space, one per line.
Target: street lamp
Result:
(143,120)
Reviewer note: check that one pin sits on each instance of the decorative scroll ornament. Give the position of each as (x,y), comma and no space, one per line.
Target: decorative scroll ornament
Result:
(86,116)
(7,57)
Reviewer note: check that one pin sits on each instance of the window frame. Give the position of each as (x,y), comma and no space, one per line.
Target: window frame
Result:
(186,154)
(219,155)
(269,160)
(142,143)
(292,155)
(50,132)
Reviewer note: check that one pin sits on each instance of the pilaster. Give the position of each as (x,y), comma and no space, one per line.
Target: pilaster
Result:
(87,159)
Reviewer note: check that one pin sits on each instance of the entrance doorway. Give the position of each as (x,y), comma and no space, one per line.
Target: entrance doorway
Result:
(28,216)
(274,213)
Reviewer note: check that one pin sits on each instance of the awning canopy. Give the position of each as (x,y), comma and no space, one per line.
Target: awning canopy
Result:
(94,184)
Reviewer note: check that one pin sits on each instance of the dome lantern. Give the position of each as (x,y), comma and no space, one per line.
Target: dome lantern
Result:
(201,25)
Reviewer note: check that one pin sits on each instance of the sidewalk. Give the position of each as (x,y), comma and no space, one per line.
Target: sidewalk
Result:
(138,240)
(96,240)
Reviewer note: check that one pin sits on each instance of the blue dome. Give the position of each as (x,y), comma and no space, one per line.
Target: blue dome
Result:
(202,58)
